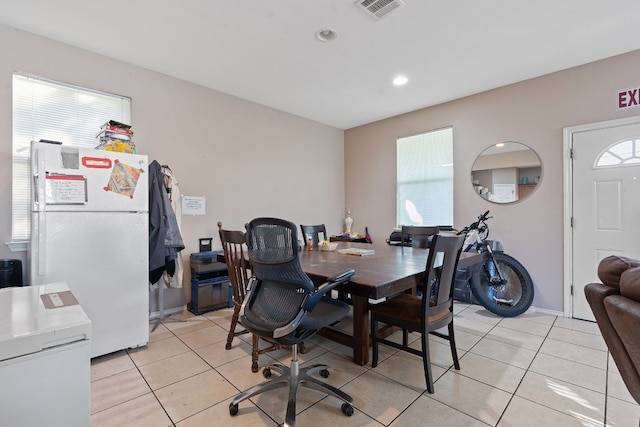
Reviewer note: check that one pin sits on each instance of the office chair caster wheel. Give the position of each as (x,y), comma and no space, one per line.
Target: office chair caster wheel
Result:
(266,372)
(233,409)
(324,373)
(346,408)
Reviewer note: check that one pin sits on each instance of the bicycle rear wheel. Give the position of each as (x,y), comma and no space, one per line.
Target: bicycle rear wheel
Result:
(509,298)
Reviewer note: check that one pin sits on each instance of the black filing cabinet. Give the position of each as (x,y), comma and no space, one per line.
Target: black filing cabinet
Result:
(210,285)
(10,273)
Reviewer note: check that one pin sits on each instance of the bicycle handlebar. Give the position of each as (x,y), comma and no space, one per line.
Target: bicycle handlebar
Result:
(484,216)
(476,225)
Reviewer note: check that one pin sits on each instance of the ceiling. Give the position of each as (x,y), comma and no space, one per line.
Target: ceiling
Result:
(266,51)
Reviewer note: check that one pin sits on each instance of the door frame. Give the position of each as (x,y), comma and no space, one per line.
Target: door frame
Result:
(568,133)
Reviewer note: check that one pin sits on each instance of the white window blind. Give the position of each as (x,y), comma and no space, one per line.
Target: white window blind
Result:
(44,109)
(425,178)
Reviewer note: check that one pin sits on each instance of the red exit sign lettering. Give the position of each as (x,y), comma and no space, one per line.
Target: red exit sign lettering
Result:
(629,98)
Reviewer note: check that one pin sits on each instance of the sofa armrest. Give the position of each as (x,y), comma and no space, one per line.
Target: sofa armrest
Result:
(596,293)
(624,314)
(611,268)
(630,283)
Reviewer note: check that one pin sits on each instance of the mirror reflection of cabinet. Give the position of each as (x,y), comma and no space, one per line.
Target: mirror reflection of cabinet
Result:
(506,172)
(525,189)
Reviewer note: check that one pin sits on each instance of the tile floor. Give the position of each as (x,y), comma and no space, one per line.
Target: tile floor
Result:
(533,370)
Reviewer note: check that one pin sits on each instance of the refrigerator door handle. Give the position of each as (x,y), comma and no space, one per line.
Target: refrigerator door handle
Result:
(36,198)
(40,208)
(41,228)
(39,168)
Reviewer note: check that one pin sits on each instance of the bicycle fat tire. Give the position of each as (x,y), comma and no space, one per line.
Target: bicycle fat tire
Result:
(518,286)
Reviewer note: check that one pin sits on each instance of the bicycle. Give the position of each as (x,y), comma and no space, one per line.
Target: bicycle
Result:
(501,283)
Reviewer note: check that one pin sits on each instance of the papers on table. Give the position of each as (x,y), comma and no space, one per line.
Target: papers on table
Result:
(357,251)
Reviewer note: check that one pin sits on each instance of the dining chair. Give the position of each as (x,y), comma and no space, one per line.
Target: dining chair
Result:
(417,236)
(234,245)
(426,313)
(284,306)
(313,232)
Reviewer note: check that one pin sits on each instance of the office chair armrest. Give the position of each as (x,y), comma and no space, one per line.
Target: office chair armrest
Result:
(326,287)
(250,283)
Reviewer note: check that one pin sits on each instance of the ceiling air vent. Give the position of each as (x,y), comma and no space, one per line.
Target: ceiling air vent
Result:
(378,9)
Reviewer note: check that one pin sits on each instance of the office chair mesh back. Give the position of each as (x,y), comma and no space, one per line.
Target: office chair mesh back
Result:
(282,285)
(283,306)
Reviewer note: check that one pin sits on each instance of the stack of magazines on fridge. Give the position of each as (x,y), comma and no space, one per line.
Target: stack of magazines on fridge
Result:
(116,136)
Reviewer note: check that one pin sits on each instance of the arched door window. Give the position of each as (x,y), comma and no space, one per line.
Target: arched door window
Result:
(621,153)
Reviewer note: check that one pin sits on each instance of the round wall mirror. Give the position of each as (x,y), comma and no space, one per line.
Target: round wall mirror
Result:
(506,172)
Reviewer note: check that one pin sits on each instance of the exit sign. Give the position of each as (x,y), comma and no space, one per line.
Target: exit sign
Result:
(628,98)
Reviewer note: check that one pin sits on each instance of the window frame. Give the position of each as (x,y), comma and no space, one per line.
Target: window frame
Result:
(625,152)
(52,110)
(434,148)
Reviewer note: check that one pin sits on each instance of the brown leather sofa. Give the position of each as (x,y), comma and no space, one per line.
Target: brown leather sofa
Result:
(616,306)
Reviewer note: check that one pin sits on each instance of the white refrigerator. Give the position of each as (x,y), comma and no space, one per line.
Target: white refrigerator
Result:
(90,229)
(45,365)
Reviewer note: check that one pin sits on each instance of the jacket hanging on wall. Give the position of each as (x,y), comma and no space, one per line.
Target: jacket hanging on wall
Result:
(165,241)
(173,191)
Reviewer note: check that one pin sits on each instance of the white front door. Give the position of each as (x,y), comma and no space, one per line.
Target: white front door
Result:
(605,202)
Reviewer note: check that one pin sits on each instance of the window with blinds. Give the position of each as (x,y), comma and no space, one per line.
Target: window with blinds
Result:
(425,178)
(44,109)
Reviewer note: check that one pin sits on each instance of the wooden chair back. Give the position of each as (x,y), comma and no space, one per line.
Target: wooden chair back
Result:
(313,232)
(420,235)
(234,245)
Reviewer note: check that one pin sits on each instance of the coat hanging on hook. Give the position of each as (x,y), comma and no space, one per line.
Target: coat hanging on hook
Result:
(165,240)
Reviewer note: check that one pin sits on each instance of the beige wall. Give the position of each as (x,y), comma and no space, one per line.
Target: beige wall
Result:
(246,159)
(249,160)
(533,112)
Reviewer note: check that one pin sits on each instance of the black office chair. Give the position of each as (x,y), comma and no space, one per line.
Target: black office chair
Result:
(424,314)
(313,232)
(234,245)
(283,306)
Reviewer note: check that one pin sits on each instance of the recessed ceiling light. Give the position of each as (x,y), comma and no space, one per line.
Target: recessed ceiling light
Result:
(326,35)
(500,144)
(400,81)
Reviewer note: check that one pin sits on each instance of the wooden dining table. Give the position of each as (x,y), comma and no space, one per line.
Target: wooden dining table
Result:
(385,273)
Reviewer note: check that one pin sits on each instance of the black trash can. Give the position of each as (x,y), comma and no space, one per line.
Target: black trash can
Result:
(10,273)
